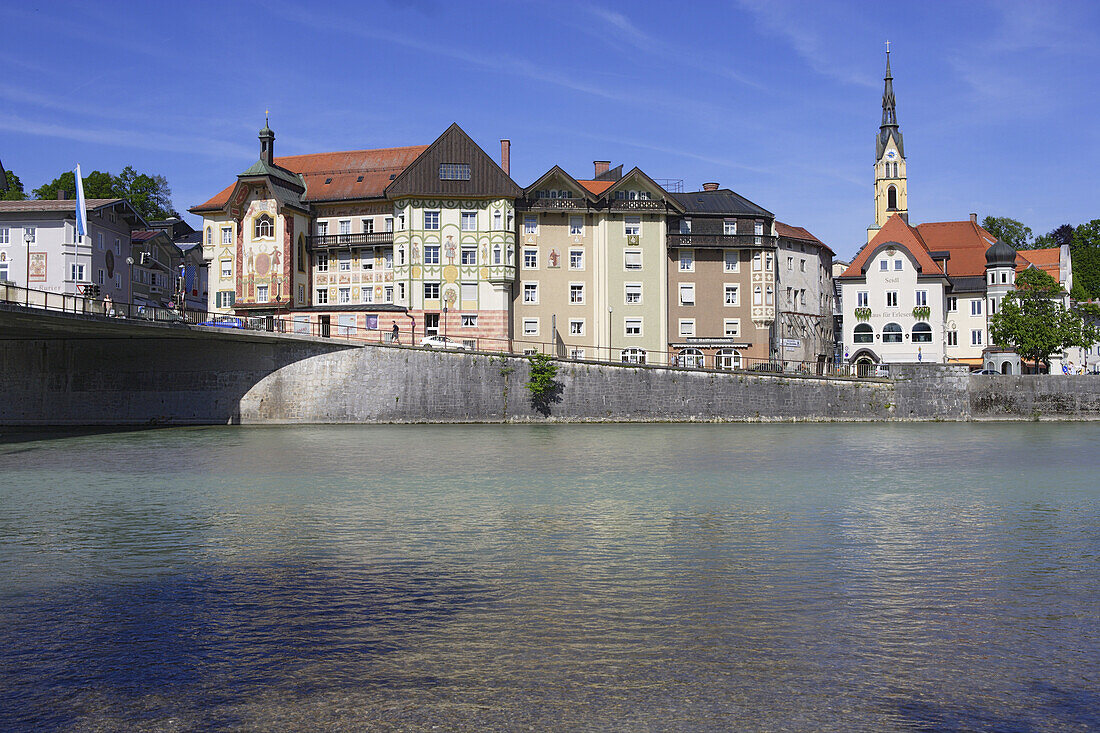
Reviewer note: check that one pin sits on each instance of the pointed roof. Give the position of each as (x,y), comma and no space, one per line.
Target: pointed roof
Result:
(454,146)
(889,128)
(559,172)
(894,232)
(638,173)
(596,187)
(720,202)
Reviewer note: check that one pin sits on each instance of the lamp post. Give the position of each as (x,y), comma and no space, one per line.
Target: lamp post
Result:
(28,237)
(130,287)
(609,311)
(444,321)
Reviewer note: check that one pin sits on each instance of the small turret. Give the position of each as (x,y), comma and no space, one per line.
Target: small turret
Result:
(267,144)
(1000,254)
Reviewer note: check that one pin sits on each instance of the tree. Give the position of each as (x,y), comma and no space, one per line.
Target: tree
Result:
(1085,252)
(150,195)
(1008,230)
(15,189)
(97,185)
(1033,321)
(1054,238)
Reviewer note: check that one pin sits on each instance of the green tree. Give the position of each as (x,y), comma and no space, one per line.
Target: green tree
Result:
(1085,257)
(97,185)
(1008,230)
(1054,238)
(543,386)
(15,189)
(1033,321)
(150,195)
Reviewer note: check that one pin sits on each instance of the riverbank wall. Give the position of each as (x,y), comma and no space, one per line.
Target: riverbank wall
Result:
(188,381)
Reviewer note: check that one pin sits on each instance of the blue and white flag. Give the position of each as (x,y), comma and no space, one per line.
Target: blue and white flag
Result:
(81,210)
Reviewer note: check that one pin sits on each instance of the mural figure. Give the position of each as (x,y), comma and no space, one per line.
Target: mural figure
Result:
(416,252)
(554,258)
(449,248)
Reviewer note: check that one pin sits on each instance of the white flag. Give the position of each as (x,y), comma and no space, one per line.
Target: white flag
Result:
(81,210)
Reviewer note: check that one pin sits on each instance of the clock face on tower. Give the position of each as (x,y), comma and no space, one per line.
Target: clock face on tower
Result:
(890,155)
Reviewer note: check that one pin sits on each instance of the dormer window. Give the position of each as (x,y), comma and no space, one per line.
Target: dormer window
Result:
(265,227)
(454,171)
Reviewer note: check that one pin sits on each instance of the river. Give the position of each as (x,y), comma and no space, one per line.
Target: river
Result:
(817,577)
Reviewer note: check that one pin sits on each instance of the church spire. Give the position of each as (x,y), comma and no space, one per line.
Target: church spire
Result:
(889,104)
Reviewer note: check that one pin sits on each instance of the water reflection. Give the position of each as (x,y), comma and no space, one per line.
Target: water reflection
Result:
(557,577)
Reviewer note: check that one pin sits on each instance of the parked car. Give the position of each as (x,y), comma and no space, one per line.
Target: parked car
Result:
(441,342)
(985,371)
(225,322)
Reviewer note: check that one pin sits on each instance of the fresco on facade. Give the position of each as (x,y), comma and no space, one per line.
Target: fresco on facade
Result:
(37,271)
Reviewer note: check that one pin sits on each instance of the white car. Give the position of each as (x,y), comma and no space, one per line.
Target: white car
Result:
(441,342)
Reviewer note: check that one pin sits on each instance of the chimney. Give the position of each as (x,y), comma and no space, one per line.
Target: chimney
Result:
(973,218)
(506,155)
(602,166)
(62,194)
(710,186)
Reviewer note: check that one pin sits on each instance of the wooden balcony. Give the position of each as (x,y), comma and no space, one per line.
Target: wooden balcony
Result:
(729,241)
(637,205)
(548,204)
(341,241)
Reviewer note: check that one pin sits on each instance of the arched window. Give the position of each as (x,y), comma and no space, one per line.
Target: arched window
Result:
(301,253)
(496,254)
(922,333)
(891,333)
(400,254)
(691,358)
(633,356)
(209,235)
(727,359)
(891,198)
(265,227)
(864,334)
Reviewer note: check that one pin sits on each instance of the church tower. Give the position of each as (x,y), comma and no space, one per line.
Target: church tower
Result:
(891,196)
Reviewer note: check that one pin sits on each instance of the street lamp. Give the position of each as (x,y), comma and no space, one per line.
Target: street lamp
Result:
(28,237)
(609,310)
(130,286)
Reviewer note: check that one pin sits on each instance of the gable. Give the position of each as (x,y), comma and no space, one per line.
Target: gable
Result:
(454,166)
(554,181)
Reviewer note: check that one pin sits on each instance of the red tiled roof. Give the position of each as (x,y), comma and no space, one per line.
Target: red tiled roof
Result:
(597,187)
(792,232)
(895,230)
(965,240)
(342,171)
(1048,260)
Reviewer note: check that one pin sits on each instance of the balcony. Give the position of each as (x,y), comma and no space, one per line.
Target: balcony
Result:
(551,204)
(637,205)
(721,240)
(338,241)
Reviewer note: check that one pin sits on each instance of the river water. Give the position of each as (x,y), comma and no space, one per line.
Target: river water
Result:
(564,577)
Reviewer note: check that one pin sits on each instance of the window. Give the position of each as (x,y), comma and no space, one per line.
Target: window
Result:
(431,291)
(468,256)
(322,262)
(730,260)
(118,247)
(469,221)
(368,226)
(576,293)
(387,258)
(692,358)
(454,171)
(727,359)
(322,228)
(576,327)
(992,306)
(891,299)
(976,307)
(687,293)
(632,259)
(99,241)
(261,294)
(345,226)
(731,294)
(883,265)
(264,228)
(468,292)
(431,220)
(768,300)
(862,299)
(921,297)
(891,333)
(687,327)
(576,259)
(209,236)
(224,298)
(757,295)
(891,198)
(530,327)
(576,226)
(401,291)
(632,225)
(952,304)
(388,226)
(343,295)
(790,263)
(952,338)
(633,293)
(687,260)
(802,264)
(685,226)
(530,259)
(118,280)
(863,334)
(497,220)
(497,258)
(731,327)
(768,262)
(227,235)
(976,337)
(343,261)
(367,294)
(633,326)
(1004,277)
(531,224)
(366,259)
(469,320)
(758,230)
(431,254)
(76,272)
(633,356)
(576,353)
(99,276)
(729,226)
(897,264)
(530,292)
(922,333)
(431,324)
(227,268)
(387,294)
(757,258)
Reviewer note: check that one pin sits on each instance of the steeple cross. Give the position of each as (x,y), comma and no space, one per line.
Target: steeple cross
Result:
(888,47)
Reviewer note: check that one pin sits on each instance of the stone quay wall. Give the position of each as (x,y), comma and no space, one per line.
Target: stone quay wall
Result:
(179,381)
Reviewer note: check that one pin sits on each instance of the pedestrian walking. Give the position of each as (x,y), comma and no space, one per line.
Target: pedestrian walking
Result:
(394,334)
(108,306)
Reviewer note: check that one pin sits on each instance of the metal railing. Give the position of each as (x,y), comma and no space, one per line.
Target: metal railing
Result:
(721,240)
(709,359)
(349,240)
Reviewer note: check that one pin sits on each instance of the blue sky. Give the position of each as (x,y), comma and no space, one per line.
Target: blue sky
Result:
(780,101)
